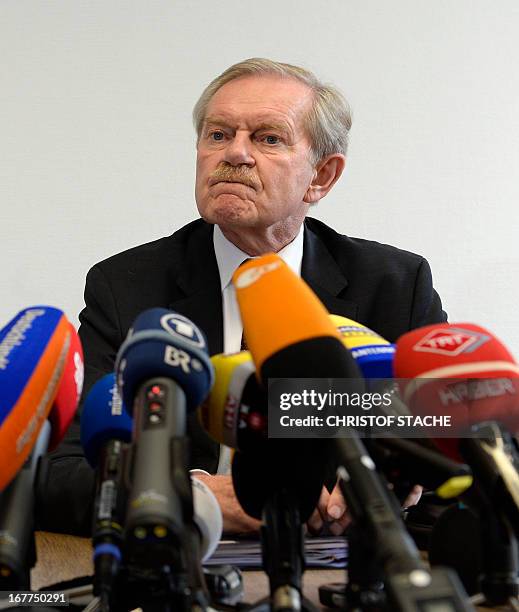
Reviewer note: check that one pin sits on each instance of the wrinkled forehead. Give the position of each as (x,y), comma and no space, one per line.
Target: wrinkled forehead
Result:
(262,98)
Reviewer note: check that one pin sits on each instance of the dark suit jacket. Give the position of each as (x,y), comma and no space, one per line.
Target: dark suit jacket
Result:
(385,288)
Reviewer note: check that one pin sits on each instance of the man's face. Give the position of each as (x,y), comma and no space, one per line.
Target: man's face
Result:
(253,157)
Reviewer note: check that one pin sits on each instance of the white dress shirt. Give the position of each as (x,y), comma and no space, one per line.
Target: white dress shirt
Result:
(229,257)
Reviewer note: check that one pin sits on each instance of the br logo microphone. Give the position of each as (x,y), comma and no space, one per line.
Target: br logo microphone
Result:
(164,373)
(180,326)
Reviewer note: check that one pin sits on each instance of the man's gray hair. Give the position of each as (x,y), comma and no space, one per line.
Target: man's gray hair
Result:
(328,122)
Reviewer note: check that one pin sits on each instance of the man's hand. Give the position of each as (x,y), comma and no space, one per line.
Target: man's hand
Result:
(331,509)
(413,497)
(234,518)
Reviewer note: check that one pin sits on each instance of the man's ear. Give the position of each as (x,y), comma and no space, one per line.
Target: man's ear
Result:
(327,173)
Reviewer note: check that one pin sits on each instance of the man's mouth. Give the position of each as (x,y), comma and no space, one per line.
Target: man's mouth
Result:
(232,182)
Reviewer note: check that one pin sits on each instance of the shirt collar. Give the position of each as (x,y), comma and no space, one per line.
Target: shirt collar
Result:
(229,256)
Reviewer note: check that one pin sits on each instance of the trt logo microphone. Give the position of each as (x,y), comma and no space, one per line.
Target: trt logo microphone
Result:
(450,341)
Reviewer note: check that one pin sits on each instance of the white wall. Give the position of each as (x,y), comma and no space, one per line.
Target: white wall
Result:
(97,148)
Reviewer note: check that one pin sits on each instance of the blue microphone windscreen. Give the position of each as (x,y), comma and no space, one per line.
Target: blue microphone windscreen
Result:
(103,418)
(375,361)
(23,342)
(165,343)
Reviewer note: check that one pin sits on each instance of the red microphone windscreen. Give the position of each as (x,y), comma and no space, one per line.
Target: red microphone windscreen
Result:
(461,370)
(69,391)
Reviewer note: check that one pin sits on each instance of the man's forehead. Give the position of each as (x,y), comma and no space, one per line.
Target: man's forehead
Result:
(256,120)
(263,99)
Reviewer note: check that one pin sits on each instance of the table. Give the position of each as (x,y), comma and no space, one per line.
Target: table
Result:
(63,557)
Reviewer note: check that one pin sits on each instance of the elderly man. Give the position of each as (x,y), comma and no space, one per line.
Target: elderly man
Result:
(271,142)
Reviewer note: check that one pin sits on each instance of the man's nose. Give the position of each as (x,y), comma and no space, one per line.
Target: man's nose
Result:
(239,150)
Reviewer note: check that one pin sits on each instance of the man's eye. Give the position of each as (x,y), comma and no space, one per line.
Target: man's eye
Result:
(271,139)
(216,136)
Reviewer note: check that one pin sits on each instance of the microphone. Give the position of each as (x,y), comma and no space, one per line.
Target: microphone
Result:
(235,412)
(104,418)
(373,354)
(106,431)
(163,370)
(164,343)
(17,545)
(33,350)
(495,460)
(461,370)
(207,517)
(410,460)
(289,334)
(273,326)
(17,501)
(465,371)
(69,391)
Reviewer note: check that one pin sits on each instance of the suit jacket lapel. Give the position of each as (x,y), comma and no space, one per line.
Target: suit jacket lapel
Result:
(197,293)
(324,276)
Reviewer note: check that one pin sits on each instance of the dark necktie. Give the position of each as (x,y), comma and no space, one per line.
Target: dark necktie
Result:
(243,345)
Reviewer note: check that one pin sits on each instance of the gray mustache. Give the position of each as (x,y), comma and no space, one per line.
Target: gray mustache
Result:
(232,174)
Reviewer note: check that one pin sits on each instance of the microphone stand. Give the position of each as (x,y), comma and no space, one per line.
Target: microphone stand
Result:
(17,503)
(282,494)
(163,569)
(497,573)
(282,547)
(282,544)
(383,548)
(496,502)
(500,571)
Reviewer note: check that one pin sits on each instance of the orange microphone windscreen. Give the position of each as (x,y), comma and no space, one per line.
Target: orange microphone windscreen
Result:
(278,308)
